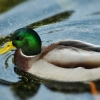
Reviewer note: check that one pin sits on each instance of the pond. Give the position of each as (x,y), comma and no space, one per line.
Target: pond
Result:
(54,20)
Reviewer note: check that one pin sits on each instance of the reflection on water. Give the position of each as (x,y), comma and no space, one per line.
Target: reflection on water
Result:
(24,88)
(54,19)
(4,39)
(5,5)
(29,85)
(66,87)
(96,13)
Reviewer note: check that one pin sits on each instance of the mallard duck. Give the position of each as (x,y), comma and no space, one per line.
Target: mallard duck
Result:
(69,60)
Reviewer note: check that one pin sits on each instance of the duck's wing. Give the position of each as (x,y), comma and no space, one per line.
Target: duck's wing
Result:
(80,45)
(71,54)
(72,45)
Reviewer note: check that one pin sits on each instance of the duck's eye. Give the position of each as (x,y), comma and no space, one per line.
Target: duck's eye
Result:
(19,38)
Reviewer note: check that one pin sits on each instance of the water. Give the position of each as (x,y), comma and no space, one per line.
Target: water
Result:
(54,20)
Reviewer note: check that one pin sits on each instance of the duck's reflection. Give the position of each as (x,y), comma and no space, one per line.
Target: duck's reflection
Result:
(64,87)
(25,88)
(28,86)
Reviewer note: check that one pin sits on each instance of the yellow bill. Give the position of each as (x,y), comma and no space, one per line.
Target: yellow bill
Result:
(8,47)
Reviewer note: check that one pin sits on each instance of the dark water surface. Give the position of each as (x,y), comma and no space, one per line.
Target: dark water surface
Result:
(54,20)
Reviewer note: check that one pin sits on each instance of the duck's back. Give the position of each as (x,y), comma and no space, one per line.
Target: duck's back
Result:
(80,45)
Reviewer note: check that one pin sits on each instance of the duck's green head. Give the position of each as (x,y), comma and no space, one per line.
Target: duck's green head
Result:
(27,40)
